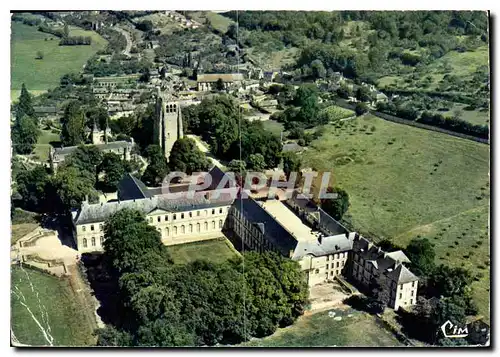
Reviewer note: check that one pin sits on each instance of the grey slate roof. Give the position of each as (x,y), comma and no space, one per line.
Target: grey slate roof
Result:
(130,188)
(402,275)
(272,230)
(328,245)
(109,146)
(100,212)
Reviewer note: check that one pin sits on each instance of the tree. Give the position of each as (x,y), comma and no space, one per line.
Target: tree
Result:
(112,337)
(39,55)
(363,94)
(344,91)
(447,281)
(336,207)
(71,187)
(85,158)
(113,167)
(128,238)
(361,108)
(256,162)
(157,166)
(25,134)
(186,157)
(66,30)
(219,85)
(145,76)
(318,69)
(32,185)
(380,293)
(25,105)
(237,166)
(291,163)
(73,125)
(422,255)
(163,72)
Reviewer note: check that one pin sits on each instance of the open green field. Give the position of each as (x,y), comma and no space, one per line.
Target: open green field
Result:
(321,330)
(217,21)
(273,126)
(403,181)
(216,251)
(477,117)
(40,75)
(462,241)
(44,311)
(41,151)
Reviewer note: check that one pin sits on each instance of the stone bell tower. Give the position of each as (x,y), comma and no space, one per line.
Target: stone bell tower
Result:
(168,122)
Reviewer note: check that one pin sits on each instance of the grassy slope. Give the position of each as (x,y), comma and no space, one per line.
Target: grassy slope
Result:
(401,190)
(320,330)
(40,75)
(216,251)
(42,147)
(55,296)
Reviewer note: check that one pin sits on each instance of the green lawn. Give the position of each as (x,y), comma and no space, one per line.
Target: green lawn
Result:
(40,75)
(477,117)
(215,250)
(41,151)
(402,180)
(273,126)
(321,330)
(50,302)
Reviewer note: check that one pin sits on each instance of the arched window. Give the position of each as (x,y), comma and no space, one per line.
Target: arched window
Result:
(213,224)
(101,240)
(197,227)
(206,226)
(84,242)
(190,228)
(167,231)
(206,213)
(220,223)
(183,229)
(93,241)
(175,230)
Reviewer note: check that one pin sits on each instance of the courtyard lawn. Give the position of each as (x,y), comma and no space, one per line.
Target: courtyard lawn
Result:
(321,330)
(51,312)
(273,126)
(215,250)
(40,75)
(404,181)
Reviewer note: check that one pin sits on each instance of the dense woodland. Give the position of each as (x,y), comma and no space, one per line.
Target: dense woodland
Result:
(198,304)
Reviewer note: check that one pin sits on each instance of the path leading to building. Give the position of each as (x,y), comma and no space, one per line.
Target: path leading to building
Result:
(203,147)
(127,49)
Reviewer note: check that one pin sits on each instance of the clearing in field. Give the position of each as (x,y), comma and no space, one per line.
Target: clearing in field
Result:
(322,330)
(45,312)
(404,181)
(43,74)
(215,250)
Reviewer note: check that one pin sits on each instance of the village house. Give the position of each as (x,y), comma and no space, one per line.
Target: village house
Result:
(207,82)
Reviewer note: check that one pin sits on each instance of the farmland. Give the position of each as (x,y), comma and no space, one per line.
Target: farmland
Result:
(45,311)
(42,74)
(405,182)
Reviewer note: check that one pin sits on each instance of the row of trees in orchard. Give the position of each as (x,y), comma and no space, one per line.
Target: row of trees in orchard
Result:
(196,304)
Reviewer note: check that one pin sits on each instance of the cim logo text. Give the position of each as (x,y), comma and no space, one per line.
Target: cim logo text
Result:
(454,331)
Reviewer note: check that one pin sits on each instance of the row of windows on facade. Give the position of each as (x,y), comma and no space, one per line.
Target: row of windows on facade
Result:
(359,273)
(337,265)
(174,217)
(190,228)
(183,215)
(93,241)
(336,256)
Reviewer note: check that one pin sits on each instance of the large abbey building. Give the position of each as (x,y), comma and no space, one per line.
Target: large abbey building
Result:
(168,121)
(293,227)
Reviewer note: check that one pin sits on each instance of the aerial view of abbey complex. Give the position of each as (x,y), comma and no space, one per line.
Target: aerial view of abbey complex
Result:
(250,179)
